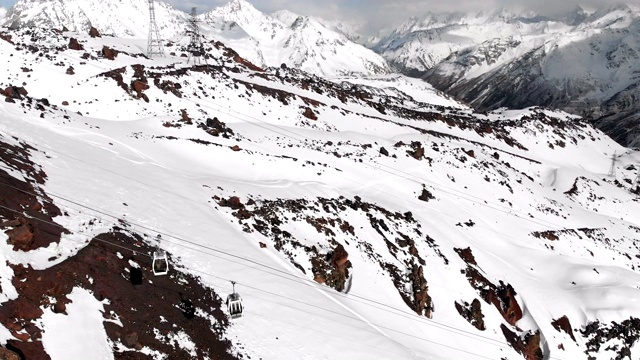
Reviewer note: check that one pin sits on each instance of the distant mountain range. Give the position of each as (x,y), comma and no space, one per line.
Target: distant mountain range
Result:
(582,62)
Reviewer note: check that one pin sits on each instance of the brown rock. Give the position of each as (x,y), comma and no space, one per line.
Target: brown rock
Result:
(60,308)
(65,103)
(139,86)
(235,203)
(564,325)
(319,279)
(94,33)
(131,340)
(6,354)
(109,53)
(263,245)
(340,256)
(75,45)
(236,148)
(309,114)
(10,223)
(21,236)
(426,195)
(70,71)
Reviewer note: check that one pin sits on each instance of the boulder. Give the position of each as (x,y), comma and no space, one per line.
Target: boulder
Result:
(94,33)
(139,86)
(309,114)
(75,45)
(109,53)
(340,257)
(70,71)
(21,237)
(384,151)
(6,354)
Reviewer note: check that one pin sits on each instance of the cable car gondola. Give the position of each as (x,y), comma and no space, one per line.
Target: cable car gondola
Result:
(234,303)
(160,263)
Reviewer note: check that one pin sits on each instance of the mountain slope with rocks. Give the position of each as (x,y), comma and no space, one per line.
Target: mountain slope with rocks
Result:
(357,218)
(581,62)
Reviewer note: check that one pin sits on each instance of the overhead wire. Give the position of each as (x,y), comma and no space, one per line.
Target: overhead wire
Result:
(138,252)
(306,282)
(386,171)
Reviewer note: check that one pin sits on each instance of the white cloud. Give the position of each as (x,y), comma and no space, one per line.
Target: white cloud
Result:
(3,12)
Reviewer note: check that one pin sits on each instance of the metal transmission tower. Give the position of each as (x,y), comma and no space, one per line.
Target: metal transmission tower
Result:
(636,183)
(154,46)
(614,160)
(195,49)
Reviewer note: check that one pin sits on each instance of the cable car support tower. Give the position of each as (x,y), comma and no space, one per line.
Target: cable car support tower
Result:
(195,48)
(154,45)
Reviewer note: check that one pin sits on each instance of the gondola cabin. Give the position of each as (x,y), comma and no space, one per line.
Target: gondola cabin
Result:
(160,263)
(234,304)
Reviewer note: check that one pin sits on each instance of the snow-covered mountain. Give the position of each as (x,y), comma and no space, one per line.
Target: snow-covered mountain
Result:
(305,43)
(3,13)
(362,218)
(301,42)
(585,63)
(111,17)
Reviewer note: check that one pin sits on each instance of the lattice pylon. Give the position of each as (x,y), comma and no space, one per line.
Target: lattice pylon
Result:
(154,46)
(195,49)
(636,183)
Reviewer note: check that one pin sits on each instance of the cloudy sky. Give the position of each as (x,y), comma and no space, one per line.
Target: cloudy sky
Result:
(381,13)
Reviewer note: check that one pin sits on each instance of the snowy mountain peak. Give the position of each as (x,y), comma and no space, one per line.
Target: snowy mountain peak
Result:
(123,19)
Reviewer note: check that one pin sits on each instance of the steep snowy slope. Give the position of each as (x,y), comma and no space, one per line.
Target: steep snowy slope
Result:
(298,41)
(113,17)
(358,221)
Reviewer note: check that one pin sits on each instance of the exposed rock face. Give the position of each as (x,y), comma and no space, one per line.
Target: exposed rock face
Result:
(309,114)
(109,53)
(421,299)
(623,336)
(6,354)
(564,325)
(333,269)
(215,127)
(75,45)
(426,195)
(21,236)
(472,313)
(94,33)
(528,345)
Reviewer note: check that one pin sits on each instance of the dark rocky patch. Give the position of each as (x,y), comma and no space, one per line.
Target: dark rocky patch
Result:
(472,313)
(564,325)
(623,336)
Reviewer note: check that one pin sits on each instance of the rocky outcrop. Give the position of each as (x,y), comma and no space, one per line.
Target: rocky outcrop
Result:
(6,354)
(472,313)
(528,345)
(75,45)
(623,336)
(422,303)
(332,269)
(564,325)
(109,53)
(94,33)
(21,236)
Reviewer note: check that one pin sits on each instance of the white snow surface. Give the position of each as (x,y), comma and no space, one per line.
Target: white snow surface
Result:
(78,334)
(107,148)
